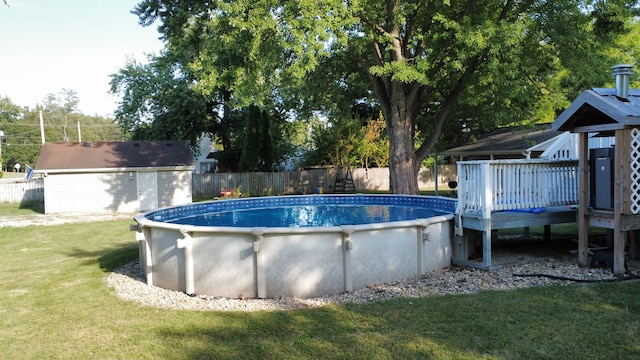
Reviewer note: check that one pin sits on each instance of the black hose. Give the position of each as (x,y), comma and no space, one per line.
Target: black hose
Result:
(556,277)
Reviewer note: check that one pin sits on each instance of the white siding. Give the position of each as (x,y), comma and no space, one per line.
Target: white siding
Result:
(91,192)
(174,187)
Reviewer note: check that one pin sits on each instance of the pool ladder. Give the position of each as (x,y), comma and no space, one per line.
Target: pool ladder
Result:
(344,184)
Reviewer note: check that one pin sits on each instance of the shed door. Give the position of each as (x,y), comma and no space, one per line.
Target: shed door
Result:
(147,190)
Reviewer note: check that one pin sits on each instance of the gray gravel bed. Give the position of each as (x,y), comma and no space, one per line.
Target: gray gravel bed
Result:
(128,282)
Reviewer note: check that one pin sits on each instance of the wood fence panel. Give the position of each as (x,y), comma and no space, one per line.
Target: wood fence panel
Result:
(22,191)
(308,181)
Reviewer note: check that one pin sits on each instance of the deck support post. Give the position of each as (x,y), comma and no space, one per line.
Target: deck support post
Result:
(487,208)
(547,232)
(486,245)
(620,182)
(583,186)
(634,238)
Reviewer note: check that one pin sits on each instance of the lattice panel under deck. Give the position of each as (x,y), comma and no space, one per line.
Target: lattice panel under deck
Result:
(635,171)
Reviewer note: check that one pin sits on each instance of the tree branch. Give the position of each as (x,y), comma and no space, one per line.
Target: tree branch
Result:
(447,109)
(379,29)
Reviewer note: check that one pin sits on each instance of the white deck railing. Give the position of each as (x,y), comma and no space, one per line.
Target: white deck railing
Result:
(495,185)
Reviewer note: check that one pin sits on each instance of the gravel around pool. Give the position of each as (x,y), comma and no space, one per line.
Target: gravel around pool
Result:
(527,257)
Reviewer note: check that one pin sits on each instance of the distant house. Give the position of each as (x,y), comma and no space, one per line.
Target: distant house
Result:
(204,161)
(539,141)
(506,143)
(115,176)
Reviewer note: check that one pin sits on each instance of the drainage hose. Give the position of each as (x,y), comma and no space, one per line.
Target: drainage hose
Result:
(556,277)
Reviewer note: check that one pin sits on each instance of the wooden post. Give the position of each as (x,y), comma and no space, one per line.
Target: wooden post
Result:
(487,207)
(619,204)
(547,232)
(486,191)
(486,245)
(583,187)
(634,238)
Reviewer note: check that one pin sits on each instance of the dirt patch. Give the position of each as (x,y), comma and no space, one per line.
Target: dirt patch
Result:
(57,219)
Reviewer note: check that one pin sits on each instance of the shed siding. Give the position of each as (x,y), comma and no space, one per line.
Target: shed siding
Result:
(91,192)
(174,187)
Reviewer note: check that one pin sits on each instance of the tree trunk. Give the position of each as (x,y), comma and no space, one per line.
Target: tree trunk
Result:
(399,109)
(403,174)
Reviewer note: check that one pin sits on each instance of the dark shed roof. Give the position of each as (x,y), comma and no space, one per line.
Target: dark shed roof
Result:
(505,141)
(114,155)
(600,110)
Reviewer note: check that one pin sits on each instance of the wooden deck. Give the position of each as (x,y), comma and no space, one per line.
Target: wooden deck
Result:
(476,227)
(503,194)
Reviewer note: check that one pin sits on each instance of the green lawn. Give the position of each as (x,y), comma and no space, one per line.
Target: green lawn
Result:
(54,304)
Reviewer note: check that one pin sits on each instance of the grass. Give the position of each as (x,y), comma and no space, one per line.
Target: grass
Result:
(12,175)
(54,304)
(26,209)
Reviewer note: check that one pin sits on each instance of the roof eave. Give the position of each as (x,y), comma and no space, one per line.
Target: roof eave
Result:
(484,152)
(603,103)
(114,170)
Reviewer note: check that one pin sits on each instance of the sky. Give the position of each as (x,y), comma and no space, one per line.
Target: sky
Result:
(50,45)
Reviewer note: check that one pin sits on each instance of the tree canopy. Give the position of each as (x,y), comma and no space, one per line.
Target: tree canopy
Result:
(427,66)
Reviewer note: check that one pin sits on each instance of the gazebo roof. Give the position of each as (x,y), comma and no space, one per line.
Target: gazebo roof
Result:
(600,110)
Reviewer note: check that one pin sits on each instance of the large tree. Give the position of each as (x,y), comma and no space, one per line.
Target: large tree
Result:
(157,102)
(60,106)
(425,60)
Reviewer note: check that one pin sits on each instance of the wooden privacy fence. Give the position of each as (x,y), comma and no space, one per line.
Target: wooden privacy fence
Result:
(22,191)
(309,181)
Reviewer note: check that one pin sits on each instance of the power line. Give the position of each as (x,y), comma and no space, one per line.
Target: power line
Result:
(26,132)
(68,125)
(22,144)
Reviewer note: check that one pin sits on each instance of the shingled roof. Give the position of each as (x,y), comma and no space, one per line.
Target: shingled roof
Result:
(509,141)
(114,155)
(600,110)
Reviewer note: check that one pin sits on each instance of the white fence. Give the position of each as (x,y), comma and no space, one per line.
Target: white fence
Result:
(22,191)
(493,185)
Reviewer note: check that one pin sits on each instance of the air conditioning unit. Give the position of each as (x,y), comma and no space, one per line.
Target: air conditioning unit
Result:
(601,178)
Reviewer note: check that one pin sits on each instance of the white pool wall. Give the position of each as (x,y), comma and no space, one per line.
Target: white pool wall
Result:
(290,262)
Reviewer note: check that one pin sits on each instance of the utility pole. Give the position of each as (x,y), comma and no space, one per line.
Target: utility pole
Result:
(2,137)
(41,128)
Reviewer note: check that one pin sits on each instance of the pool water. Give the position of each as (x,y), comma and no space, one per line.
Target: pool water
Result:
(308,216)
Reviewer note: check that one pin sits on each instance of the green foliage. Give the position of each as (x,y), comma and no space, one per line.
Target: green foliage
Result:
(234,193)
(348,141)
(157,102)
(257,153)
(433,71)
(610,17)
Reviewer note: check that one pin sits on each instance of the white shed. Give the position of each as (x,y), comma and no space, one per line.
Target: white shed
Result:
(115,176)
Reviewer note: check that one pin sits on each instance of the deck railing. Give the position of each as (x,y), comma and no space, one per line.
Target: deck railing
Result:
(495,185)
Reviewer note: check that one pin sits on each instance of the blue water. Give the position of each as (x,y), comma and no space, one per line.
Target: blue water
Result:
(308,216)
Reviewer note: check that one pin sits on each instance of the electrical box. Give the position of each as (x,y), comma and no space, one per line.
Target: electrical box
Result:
(601,178)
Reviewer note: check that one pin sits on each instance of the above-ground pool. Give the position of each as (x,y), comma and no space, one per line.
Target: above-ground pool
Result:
(299,246)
